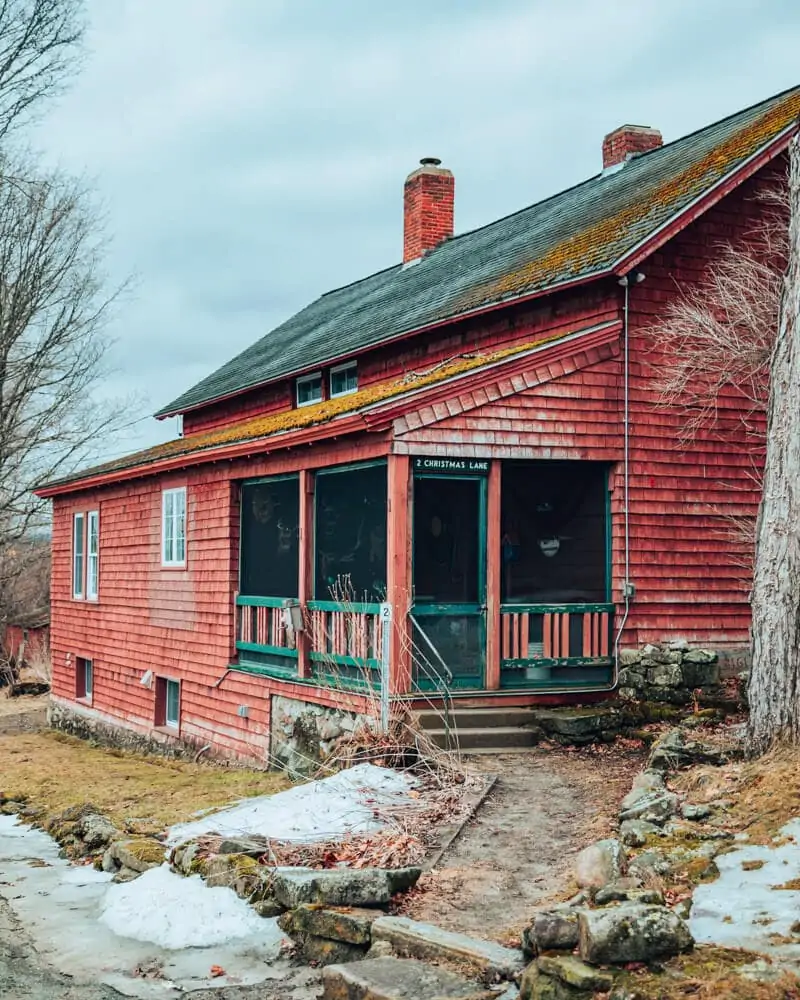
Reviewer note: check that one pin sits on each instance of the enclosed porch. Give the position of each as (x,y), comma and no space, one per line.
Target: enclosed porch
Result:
(427,574)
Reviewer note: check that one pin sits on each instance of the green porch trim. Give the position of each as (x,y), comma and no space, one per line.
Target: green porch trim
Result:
(357,607)
(345,661)
(562,661)
(267,670)
(254,647)
(521,685)
(549,609)
(245,601)
(446,610)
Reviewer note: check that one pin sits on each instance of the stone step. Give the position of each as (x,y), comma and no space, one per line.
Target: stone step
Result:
(397,979)
(490,738)
(412,939)
(475,718)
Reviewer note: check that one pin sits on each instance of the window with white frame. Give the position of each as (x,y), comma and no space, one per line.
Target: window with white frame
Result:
(168,703)
(309,389)
(78,557)
(173,527)
(344,379)
(84,678)
(92,554)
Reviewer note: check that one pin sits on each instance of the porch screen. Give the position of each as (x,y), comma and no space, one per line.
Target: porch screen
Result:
(554,532)
(350,534)
(269,549)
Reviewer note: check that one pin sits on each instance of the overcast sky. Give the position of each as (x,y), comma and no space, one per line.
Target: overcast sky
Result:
(250,154)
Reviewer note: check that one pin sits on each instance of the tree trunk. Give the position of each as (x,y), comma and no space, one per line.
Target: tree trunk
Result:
(774,691)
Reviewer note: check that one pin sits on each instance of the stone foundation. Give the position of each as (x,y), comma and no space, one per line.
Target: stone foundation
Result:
(94,728)
(670,673)
(303,734)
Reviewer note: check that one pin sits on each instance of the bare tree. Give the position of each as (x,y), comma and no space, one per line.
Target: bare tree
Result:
(774,691)
(39,52)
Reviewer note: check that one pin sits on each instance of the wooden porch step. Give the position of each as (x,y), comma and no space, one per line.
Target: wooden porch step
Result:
(487,738)
(476,718)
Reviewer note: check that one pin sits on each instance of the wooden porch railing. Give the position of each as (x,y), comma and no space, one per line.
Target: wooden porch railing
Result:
(261,629)
(346,634)
(539,636)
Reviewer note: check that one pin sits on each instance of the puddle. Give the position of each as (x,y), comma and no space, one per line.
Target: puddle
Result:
(60,906)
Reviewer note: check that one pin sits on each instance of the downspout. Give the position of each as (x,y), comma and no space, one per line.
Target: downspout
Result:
(628,589)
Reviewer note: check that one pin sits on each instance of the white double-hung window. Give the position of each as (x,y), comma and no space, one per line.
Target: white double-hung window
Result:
(173,527)
(92,554)
(78,544)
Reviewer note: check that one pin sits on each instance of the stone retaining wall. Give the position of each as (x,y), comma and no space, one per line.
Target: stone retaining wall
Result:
(303,733)
(670,673)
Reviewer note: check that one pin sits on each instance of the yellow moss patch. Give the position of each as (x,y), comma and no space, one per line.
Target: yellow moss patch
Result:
(54,772)
(707,974)
(318,413)
(151,852)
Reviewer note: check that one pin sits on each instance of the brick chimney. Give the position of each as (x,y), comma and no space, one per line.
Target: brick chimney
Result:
(628,141)
(428,206)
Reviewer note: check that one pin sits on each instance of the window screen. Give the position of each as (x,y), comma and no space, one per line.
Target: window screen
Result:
(553,532)
(350,534)
(270,531)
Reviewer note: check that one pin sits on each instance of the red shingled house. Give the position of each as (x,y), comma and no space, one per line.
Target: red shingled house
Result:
(454,438)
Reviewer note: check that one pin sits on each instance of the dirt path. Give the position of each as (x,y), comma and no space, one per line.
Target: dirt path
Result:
(517,852)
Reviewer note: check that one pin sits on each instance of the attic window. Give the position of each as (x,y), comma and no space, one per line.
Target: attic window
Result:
(309,389)
(344,379)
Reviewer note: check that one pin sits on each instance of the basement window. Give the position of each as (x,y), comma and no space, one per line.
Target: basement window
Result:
(168,703)
(309,389)
(84,678)
(344,379)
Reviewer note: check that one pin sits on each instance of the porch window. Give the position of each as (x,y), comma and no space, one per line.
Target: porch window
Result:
(350,534)
(173,527)
(78,547)
(344,379)
(269,538)
(554,545)
(92,554)
(309,389)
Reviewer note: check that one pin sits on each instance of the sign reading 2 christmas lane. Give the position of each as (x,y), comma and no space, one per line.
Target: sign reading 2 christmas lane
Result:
(452,466)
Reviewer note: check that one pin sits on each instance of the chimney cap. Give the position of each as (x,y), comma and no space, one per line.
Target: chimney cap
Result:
(430,161)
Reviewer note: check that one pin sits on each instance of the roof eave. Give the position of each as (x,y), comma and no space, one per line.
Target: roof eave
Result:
(683,218)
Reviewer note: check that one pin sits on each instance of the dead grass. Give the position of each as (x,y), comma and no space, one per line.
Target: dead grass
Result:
(52,771)
(708,973)
(22,704)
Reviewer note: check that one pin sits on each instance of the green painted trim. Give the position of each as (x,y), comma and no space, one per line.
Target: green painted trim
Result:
(264,670)
(270,479)
(246,601)
(332,470)
(255,647)
(564,661)
(522,684)
(446,610)
(546,609)
(345,661)
(356,607)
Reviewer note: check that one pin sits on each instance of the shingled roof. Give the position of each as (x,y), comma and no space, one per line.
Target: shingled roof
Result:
(578,234)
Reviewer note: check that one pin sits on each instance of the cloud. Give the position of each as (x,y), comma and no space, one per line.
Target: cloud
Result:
(251,155)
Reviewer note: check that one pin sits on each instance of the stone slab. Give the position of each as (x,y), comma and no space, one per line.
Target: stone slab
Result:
(351,925)
(397,979)
(412,939)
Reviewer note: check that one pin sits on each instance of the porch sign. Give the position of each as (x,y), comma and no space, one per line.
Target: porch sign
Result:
(452,466)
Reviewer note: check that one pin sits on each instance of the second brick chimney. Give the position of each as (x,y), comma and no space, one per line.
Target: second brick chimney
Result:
(628,141)
(428,208)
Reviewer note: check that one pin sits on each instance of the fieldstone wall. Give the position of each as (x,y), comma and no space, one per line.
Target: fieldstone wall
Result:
(670,674)
(303,734)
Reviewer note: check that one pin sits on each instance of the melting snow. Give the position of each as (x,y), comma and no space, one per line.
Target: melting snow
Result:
(175,912)
(744,909)
(347,803)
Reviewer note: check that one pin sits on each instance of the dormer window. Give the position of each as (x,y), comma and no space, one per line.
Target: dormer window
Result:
(344,379)
(309,389)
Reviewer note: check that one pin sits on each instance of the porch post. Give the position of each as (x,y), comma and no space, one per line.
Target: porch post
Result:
(306,569)
(494,569)
(398,570)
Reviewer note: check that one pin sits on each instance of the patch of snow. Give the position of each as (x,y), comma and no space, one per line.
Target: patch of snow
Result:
(176,912)
(744,909)
(347,803)
(85,875)
(10,826)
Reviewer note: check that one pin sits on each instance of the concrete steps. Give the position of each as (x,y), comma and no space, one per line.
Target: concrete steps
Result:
(481,729)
